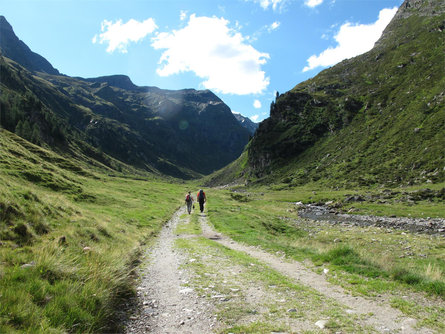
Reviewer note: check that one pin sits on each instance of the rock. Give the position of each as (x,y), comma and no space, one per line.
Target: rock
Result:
(28,265)
(325,271)
(186,290)
(321,324)
(87,249)
(292,310)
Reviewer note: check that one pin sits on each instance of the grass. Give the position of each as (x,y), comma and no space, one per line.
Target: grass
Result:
(70,238)
(71,235)
(366,260)
(256,298)
(189,225)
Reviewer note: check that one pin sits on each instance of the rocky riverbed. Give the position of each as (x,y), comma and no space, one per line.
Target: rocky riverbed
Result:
(418,225)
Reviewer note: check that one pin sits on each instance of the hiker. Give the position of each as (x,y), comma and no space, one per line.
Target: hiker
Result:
(189,202)
(201,199)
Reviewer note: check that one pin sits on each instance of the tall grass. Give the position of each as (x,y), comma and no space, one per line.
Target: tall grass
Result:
(70,241)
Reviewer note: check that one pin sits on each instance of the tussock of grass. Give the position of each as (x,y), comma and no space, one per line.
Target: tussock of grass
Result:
(346,258)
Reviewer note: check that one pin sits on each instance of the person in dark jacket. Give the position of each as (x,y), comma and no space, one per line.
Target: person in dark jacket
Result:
(201,199)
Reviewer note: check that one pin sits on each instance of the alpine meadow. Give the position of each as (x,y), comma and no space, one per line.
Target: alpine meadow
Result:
(326,217)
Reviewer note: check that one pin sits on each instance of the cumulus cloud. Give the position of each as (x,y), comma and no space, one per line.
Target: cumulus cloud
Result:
(118,35)
(313,3)
(257,104)
(352,40)
(214,52)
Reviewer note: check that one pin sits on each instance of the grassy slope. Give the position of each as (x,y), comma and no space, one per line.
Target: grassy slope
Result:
(69,238)
(409,269)
(393,131)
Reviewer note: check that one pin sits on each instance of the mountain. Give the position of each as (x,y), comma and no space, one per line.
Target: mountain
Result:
(14,48)
(246,123)
(181,133)
(378,118)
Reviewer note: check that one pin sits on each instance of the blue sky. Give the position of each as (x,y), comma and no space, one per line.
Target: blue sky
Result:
(242,50)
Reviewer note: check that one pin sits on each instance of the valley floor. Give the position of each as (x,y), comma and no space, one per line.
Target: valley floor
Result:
(196,280)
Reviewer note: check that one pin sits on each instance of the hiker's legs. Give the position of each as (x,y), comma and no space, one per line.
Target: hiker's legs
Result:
(189,207)
(201,206)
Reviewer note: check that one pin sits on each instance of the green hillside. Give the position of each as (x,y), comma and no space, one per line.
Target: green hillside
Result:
(70,236)
(183,133)
(378,118)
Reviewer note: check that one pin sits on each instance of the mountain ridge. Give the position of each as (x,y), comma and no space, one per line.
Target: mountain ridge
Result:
(182,133)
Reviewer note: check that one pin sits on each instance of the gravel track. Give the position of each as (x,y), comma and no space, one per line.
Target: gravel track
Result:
(167,304)
(383,318)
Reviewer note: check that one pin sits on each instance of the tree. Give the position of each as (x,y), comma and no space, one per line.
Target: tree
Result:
(35,136)
(19,129)
(27,131)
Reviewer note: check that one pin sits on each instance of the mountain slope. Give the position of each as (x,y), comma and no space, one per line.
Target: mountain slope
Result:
(375,118)
(14,48)
(180,133)
(247,123)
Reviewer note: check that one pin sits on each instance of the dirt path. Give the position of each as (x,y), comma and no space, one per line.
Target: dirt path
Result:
(182,290)
(166,304)
(382,317)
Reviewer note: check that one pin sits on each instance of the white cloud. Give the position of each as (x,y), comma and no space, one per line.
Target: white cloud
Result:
(257,104)
(274,4)
(214,52)
(313,3)
(254,118)
(183,15)
(118,35)
(352,40)
(273,26)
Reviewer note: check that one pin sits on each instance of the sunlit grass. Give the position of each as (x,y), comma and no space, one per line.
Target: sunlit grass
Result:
(66,254)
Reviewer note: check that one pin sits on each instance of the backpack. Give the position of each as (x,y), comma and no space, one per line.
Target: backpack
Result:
(187,198)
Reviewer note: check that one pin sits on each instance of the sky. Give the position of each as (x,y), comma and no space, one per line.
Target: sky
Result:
(245,51)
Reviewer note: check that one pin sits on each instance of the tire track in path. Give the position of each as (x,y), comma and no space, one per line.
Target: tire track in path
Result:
(381,317)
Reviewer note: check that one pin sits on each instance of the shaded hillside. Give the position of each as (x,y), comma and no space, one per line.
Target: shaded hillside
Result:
(247,123)
(181,133)
(375,118)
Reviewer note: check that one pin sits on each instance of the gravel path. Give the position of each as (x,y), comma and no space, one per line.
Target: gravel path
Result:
(166,304)
(382,318)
